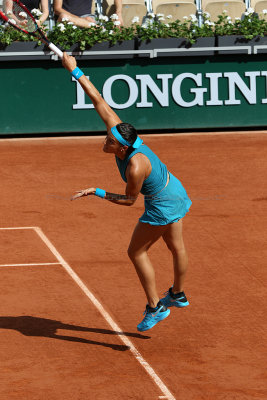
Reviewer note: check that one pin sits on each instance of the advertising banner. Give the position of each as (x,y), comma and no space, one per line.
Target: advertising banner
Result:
(171,93)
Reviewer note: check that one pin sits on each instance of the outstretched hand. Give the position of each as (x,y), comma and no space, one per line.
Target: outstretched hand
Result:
(82,193)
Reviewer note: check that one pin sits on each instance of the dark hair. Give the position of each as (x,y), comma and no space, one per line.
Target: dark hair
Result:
(127,131)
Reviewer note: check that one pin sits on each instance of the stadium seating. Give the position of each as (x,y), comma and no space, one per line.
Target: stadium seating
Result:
(259,6)
(130,9)
(176,9)
(234,8)
(51,18)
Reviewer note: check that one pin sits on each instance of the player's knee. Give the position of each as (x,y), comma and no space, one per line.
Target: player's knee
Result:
(171,246)
(134,254)
(176,248)
(131,253)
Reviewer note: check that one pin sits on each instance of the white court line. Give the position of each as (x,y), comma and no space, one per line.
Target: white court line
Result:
(144,136)
(167,394)
(215,133)
(16,228)
(52,138)
(27,265)
(165,391)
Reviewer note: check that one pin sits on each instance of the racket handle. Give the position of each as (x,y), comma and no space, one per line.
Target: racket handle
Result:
(56,50)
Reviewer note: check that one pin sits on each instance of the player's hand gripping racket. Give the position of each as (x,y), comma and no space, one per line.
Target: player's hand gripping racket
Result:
(18,16)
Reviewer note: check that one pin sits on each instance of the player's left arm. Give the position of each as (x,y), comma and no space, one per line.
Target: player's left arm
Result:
(135,176)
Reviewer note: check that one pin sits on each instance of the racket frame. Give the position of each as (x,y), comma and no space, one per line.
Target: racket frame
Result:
(40,34)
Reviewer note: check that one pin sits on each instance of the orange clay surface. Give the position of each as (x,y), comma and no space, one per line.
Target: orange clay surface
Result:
(55,344)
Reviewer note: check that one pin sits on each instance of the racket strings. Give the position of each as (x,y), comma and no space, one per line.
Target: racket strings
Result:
(21,18)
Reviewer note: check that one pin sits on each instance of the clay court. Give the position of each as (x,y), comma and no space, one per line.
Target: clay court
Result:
(71,299)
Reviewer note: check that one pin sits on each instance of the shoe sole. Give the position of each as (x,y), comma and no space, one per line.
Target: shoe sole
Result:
(162,317)
(175,304)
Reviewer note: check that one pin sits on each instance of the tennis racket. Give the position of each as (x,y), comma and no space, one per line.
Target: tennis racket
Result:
(18,16)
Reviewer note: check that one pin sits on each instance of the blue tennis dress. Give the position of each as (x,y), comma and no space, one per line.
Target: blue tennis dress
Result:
(163,204)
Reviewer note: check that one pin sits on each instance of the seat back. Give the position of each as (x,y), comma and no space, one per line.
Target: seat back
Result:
(234,8)
(259,6)
(130,9)
(176,9)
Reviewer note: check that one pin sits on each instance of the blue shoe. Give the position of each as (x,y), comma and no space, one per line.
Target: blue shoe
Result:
(177,300)
(153,316)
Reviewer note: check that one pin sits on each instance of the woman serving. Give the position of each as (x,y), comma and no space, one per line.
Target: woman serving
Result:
(166,203)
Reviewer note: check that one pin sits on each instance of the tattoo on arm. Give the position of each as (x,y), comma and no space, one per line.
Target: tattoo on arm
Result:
(116,196)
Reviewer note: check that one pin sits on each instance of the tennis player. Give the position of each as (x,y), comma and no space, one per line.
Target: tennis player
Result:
(166,203)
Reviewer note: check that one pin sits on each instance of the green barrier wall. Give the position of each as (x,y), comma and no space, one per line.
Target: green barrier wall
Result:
(171,93)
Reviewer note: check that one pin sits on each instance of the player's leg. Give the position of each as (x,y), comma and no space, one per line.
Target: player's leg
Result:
(143,237)
(173,237)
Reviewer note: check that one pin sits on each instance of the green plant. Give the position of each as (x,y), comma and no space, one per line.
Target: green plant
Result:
(66,34)
(250,25)
(157,26)
(9,35)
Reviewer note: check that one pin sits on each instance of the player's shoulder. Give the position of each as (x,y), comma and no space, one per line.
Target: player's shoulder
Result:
(138,164)
(134,164)
(137,160)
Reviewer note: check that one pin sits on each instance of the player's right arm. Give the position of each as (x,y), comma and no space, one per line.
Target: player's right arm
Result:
(109,117)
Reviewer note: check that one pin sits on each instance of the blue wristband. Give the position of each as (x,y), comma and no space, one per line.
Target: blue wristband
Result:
(100,193)
(77,73)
